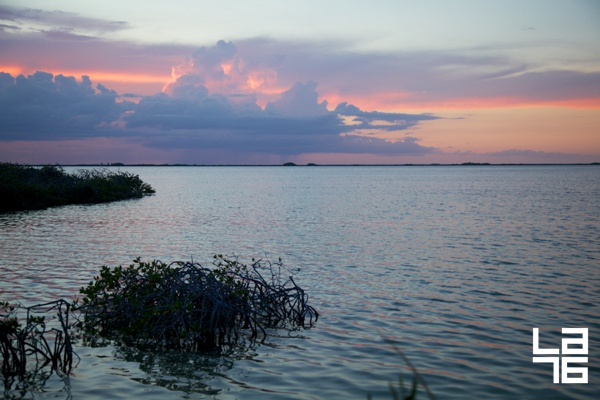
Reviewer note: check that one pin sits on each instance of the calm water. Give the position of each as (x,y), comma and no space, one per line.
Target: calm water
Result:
(454,265)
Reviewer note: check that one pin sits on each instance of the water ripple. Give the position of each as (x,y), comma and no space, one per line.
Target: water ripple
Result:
(454,266)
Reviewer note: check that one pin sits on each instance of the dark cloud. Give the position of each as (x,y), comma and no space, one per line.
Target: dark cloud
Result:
(381,120)
(293,124)
(46,107)
(296,122)
(269,135)
(211,104)
(58,20)
(7,27)
(193,108)
(198,111)
(301,100)
(43,106)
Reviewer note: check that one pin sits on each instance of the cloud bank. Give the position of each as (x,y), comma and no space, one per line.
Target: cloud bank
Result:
(258,96)
(43,106)
(210,104)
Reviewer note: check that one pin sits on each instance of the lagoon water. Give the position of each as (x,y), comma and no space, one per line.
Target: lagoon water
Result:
(453,266)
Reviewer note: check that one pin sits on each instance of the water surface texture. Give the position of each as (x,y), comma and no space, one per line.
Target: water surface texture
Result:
(454,266)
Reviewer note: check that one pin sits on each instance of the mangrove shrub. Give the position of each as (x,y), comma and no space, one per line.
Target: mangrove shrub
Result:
(183,305)
(29,188)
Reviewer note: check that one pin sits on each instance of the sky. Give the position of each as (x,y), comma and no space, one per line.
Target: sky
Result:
(326,82)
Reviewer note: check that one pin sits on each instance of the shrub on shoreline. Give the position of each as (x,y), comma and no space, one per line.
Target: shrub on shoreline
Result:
(31,188)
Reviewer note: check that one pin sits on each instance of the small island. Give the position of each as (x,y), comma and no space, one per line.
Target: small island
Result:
(25,187)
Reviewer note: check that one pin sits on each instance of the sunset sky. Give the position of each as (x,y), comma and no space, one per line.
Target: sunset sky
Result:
(265,82)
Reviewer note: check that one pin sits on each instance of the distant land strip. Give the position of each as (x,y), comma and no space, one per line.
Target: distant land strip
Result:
(290,164)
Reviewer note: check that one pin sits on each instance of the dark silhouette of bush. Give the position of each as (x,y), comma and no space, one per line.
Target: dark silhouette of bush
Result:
(154,305)
(31,188)
(183,305)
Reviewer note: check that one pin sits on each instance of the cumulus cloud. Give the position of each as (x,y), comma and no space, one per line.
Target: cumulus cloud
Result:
(43,106)
(296,122)
(268,134)
(221,69)
(211,103)
(301,100)
(206,66)
(197,112)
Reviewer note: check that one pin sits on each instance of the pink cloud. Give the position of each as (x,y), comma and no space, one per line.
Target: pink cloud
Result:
(222,69)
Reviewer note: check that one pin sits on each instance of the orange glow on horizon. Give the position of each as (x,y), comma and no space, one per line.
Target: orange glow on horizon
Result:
(401,102)
(106,76)
(123,77)
(546,128)
(12,69)
(121,82)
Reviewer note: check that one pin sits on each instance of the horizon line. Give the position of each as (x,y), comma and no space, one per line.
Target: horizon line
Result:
(292,164)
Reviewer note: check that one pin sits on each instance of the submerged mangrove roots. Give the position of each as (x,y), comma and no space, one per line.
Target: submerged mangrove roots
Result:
(40,338)
(183,305)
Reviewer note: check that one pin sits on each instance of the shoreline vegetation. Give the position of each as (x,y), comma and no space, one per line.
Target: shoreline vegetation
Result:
(24,187)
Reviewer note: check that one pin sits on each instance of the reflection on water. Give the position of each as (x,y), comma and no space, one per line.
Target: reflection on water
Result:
(51,384)
(186,372)
(454,265)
